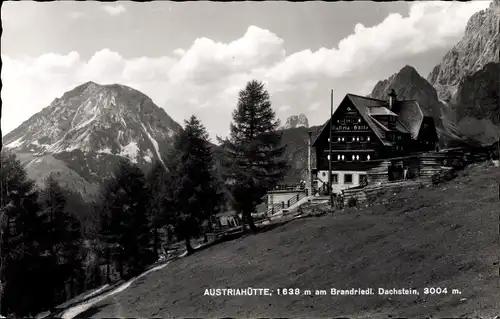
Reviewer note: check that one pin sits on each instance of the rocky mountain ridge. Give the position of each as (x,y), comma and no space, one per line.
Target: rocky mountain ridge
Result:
(86,131)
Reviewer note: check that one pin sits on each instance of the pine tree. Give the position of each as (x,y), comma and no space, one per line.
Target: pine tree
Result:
(20,236)
(253,158)
(124,220)
(195,193)
(62,241)
(158,181)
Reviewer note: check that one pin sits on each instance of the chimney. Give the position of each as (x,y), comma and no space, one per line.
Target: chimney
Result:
(392,98)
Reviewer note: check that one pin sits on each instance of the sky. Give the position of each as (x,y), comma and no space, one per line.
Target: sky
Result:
(194,57)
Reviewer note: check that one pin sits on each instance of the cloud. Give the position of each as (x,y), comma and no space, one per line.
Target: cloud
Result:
(284,108)
(207,60)
(114,10)
(314,106)
(206,77)
(367,87)
(76,15)
(179,52)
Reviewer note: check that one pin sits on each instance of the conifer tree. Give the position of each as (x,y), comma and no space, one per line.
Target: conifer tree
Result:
(62,241)
(158,181)
(20,235)
(124,219)
(195,193)
(253,156)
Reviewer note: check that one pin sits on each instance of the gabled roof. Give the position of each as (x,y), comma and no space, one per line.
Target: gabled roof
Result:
(409,113)
(382,126)
(362,103)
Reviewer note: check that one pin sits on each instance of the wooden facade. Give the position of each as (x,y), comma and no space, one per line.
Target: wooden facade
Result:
(366,133)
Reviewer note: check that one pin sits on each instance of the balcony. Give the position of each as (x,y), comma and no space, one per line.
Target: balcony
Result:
(350,149)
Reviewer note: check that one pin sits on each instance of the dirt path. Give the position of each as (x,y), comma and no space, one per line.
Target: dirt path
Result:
(76,310)
(119,312)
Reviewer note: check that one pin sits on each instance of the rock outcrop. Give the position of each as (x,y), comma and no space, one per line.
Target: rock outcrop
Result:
(296,121)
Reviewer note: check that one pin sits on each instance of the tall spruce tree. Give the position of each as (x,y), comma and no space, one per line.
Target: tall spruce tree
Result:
(62,242)
(253,156)
(195,192)
(124,220)
(21,232)
(158,180)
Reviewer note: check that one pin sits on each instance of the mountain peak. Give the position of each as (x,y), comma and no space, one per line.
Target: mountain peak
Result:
(296,121)
(88,83)
(409,85)
(408,70)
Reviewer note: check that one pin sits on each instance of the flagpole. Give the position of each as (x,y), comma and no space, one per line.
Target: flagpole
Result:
(330,153)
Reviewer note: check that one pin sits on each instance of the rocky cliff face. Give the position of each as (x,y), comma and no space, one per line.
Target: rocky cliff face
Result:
(80,136)
(467,79)
(479,46)
(296,121)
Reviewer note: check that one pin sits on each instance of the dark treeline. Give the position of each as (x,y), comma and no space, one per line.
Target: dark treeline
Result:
(55,246)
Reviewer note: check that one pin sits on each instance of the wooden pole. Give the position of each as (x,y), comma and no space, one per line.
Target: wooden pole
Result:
(330,153)
(498,108)
(309,164)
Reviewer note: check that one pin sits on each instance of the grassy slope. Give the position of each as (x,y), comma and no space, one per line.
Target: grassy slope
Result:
(444,236)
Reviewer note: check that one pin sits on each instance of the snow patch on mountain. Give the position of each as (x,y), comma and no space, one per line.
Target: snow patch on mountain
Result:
(130,150)
(106,150)
(154,142)
(149,156)
(16,143)
(85,123)
(71,148)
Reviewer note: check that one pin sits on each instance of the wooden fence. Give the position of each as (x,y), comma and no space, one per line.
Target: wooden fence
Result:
(370,193)
(283,205)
